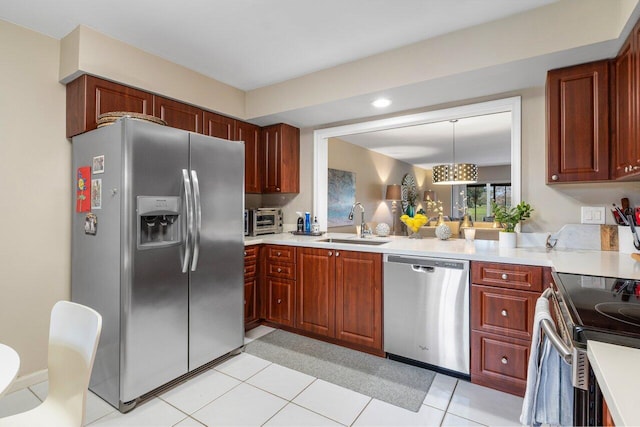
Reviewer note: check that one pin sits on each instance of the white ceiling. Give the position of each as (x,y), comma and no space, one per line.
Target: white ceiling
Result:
(484,140)
(253,43)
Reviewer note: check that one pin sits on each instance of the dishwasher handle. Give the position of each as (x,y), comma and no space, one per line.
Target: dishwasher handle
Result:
(422,268)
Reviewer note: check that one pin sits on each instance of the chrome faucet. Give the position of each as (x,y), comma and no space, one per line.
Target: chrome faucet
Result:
(364,229)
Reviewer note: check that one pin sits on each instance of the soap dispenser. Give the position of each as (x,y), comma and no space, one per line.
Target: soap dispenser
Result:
(300,226)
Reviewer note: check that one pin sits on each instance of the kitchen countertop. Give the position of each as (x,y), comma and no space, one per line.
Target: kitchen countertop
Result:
(598,263)
(614,367)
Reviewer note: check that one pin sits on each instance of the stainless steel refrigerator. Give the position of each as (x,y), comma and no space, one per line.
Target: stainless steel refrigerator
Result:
(159,252)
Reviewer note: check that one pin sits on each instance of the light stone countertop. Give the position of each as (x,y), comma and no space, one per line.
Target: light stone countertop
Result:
(577,261)
(616,370)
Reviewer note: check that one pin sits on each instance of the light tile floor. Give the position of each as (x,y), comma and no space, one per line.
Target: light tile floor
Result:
(249,391)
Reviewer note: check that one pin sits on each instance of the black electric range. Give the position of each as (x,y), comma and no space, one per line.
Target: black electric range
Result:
(602,308)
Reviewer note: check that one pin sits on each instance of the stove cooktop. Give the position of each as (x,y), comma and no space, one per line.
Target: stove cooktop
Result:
(603,308)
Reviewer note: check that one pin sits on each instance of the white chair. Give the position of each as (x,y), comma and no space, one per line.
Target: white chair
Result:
(74,332)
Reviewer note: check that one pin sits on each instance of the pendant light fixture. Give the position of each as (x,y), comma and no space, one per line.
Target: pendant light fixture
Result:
(455,173)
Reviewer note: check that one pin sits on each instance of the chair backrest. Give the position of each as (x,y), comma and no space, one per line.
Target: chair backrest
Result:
(74,333)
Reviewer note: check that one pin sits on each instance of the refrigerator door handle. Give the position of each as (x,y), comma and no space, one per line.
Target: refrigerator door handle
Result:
(189,210)
(198,219)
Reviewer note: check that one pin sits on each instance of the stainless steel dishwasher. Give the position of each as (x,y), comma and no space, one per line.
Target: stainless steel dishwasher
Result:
(426,311)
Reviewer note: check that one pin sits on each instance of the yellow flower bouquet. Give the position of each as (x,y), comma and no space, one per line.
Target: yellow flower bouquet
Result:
(414,223)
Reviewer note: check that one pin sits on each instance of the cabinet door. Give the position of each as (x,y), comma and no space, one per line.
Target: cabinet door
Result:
(250,301)
(177,114)
(359,298)
(623,152)
(281,159)
(578,123)
(280,301)
(250,134)
(88,97)
(271,159)
(315,291)
(218,125)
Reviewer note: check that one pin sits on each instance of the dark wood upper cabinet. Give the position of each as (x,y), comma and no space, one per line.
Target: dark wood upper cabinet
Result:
(250,134)
(219,126)
(578,123)
(625,157)
(88,97)
(177,114)
(281,159)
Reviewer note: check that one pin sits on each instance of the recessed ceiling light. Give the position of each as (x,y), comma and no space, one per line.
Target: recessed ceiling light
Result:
(381,103)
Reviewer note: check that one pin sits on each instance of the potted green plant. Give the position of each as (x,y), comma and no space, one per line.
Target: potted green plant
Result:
(509,218)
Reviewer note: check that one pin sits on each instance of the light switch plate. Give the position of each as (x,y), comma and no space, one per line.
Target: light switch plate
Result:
(592,214)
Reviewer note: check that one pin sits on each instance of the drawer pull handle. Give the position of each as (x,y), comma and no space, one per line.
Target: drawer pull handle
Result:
(279,300)
(504,360)
(279,270)
(504,313)
(504,276)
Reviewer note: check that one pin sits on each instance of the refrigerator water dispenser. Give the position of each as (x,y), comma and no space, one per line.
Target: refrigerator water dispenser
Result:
(158,221)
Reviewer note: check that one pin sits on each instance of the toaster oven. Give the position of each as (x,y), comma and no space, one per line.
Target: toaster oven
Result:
(263,221)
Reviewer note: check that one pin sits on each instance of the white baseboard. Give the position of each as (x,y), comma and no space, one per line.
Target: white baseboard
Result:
(29,380)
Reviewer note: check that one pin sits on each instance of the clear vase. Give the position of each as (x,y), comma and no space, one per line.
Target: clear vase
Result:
(413,234)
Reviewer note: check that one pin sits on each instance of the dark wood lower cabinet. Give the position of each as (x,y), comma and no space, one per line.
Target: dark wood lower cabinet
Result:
(359,298)
(339,295)
(503,299)
(315,291)
(250,301)
(280,301)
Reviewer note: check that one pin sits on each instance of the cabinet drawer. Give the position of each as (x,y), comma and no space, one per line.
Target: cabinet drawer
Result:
(283,270)
(499,362)
(281,253)
(250,270)
(503,311)
(523,277)
(250,254)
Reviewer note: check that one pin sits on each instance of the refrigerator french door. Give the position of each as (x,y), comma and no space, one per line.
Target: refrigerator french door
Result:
(164,266)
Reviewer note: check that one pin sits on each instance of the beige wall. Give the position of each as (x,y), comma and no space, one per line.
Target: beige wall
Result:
(85,51)
(373,172)
(35,192)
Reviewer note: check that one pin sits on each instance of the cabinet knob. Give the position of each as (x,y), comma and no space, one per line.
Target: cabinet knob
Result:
(626,169)
(330,253)
(245,302)
(279,270)
(504,313)
(337,253)
(504,276)
(278,254)
(554,177)
(279,301)
(245,253)
(245,270)
(277,188)
(504,360)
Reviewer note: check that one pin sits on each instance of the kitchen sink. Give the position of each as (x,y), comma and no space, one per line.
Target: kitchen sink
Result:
(355,241)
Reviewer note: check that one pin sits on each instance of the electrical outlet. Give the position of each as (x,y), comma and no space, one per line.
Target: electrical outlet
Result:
(592,214)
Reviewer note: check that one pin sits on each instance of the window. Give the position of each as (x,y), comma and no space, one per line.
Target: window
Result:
(478,207)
